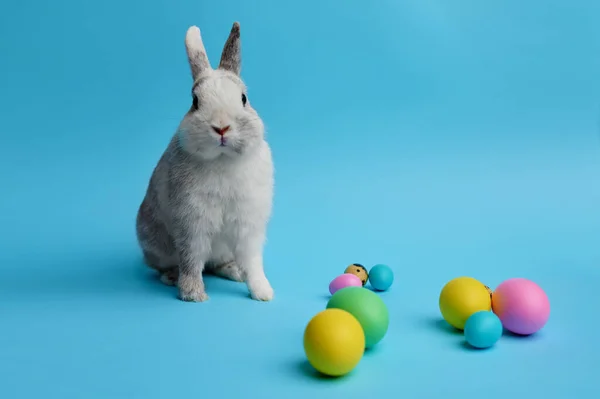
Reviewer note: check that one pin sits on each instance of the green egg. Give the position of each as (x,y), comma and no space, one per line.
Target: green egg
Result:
(367,307)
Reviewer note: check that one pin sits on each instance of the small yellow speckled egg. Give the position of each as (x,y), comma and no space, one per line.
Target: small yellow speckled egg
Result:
(359,271)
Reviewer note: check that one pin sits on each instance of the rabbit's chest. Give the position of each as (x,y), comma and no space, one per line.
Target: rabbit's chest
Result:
(235,195)
(228,189)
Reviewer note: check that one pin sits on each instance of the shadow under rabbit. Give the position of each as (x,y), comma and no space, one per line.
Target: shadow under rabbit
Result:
(96,276)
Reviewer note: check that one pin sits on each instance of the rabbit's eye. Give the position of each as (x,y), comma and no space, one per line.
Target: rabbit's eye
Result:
(195,102)
(244,99)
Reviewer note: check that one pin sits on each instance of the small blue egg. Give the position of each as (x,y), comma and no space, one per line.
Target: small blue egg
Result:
(483,329)
(381,277)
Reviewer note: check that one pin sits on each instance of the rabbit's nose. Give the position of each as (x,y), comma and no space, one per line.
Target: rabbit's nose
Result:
(221,130)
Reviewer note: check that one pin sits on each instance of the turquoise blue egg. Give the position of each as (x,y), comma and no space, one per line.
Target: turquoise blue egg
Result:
(483,329)
(381,277)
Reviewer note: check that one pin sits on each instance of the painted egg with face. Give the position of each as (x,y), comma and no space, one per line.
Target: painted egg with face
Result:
(359,271)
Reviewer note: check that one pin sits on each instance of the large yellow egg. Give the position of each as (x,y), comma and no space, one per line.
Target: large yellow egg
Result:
(461,297)
(334,342)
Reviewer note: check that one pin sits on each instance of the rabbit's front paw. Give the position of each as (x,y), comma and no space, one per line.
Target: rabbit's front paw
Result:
(192,290)
(261,290)
(193,296)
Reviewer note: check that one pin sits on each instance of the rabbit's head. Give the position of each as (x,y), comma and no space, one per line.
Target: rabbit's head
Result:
(220,121)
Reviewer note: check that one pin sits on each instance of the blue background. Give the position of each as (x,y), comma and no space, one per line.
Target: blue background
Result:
(441,138)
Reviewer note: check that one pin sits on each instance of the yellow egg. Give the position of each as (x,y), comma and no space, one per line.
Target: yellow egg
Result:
(460,298)
(334,342)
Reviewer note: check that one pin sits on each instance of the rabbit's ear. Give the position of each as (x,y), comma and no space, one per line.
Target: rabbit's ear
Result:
(231,58)
(196,52)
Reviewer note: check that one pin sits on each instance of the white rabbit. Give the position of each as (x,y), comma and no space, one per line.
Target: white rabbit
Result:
(209,199)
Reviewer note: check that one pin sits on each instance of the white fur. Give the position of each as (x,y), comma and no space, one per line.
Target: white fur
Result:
(193,39)
(211,196)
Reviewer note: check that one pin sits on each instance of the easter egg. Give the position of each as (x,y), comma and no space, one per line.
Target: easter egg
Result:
(334,342)
(344,280)
(367,307)
(522,306)
(483,329)
(489,290)
(359,271)
(460,298)
(381,277)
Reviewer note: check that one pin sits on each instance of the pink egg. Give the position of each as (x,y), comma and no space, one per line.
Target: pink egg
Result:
(521,305)
(343,281)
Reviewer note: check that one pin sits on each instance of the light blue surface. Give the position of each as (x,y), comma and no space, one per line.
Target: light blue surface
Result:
(483,329)
(440,138)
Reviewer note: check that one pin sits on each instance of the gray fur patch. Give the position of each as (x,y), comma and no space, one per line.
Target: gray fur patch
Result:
(198,62)
(231,57)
